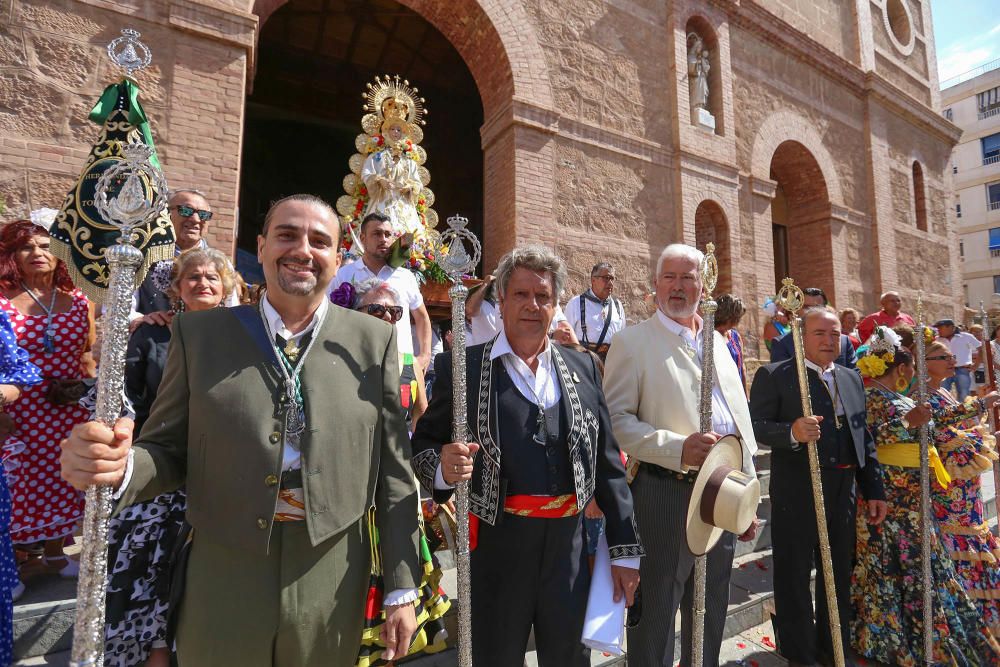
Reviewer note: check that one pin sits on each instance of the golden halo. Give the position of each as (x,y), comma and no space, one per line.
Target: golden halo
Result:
(387,87)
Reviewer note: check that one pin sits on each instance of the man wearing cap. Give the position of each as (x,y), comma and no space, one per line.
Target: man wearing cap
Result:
(966,349)
(652,383)
(538,421)
(847,458)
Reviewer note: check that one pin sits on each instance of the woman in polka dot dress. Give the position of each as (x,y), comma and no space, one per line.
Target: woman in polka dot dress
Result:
(53,322)
(16,372)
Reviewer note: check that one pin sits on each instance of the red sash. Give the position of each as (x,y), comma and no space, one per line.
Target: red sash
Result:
(538,507)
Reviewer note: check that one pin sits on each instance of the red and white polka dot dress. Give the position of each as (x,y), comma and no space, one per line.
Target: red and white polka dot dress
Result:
(45,507)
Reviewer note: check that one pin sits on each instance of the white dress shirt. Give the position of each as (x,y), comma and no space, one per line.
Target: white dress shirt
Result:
(400,279)
(596,317)
(963,345)
(826,375)
(540,386)
(291,458)
(723,421)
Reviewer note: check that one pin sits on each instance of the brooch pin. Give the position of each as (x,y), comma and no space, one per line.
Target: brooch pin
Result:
(576,378)
(292,351)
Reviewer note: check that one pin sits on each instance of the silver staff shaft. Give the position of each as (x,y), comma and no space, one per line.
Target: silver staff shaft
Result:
(708,307)
(925,488)
(88,635)
(826,555)
(459,433)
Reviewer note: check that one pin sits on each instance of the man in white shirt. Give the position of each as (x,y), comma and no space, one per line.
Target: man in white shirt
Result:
(652,380)
(377,237)
(596,316)
(538,413)
(966,349)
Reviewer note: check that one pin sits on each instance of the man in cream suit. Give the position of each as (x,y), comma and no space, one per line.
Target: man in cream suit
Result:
(285,426)
(652,379)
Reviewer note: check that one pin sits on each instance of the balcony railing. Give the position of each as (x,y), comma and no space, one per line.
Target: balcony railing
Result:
(972,73)
(994,205)
(992,159)
(989,113)
(994,252)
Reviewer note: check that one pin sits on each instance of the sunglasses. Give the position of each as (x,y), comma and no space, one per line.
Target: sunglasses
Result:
(186,211)
(378,310)
(945,357)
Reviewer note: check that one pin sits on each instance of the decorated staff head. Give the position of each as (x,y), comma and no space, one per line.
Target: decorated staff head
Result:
(82,231)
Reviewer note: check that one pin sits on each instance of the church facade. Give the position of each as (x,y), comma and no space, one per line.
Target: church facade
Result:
(802,137)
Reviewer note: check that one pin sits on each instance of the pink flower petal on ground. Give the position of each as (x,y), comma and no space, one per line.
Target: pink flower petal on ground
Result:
(766,641)
(740,645)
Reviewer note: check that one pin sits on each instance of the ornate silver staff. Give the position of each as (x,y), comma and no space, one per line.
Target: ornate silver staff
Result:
(991,383)
(791,298)
(709,277)
(458,262)
(130,208)
(925,484)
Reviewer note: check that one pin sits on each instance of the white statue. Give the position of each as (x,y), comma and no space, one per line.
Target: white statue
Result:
(698,66)
(392,179)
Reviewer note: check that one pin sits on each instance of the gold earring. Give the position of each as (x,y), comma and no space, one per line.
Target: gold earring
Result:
(902,384)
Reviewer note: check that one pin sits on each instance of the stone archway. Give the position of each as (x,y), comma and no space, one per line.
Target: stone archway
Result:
(712,226)
(800,218)
(498,44)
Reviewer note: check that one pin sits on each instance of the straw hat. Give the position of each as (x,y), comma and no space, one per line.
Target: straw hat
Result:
(723,498)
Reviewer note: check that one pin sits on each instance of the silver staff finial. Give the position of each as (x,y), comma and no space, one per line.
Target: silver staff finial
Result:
(132,192)
(129,53)
(458,260)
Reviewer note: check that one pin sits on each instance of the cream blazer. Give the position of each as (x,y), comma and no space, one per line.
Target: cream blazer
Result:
(652,388)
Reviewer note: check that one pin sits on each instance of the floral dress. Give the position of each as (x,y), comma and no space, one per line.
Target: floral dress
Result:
(45,507)
(14,369)
(967,452)
(886,588)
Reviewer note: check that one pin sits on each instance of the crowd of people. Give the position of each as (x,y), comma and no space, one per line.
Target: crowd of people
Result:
(285,466)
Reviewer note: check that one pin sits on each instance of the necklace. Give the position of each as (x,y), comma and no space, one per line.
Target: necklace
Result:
(541,427)
(49,339)
(290,365)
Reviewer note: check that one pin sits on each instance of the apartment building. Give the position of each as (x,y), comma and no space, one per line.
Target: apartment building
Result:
(972,101)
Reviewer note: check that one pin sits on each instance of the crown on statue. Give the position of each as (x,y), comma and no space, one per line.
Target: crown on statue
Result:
(128,52)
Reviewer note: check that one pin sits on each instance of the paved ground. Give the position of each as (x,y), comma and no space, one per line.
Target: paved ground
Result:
(753,648)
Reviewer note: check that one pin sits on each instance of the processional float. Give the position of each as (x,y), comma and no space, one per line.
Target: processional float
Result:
(112,226)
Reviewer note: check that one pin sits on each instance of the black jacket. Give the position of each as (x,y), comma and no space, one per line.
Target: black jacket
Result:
(145,358)
(775,403)
(593,452)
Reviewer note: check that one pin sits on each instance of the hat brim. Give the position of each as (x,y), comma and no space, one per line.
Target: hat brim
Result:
(701,536)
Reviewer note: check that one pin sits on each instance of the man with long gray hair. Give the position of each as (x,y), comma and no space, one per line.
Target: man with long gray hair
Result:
(537,413)
(652,379)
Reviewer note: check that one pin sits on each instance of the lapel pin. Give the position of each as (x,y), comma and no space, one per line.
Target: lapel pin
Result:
(576,378)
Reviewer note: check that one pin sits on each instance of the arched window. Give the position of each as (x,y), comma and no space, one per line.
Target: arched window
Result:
(919,196)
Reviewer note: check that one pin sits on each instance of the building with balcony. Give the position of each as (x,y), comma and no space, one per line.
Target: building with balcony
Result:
(972,101)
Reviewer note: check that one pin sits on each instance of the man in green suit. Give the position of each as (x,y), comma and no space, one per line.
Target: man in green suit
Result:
(284,424)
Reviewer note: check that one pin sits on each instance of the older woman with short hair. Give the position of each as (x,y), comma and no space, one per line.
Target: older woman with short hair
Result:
(849,318)
(144,536)
(381,300)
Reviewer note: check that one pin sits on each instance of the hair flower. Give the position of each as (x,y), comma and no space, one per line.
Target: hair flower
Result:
(343,296)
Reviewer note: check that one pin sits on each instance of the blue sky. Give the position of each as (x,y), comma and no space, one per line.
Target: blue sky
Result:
(967,34)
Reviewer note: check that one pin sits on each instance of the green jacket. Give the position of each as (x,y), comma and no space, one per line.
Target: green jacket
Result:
(214,429)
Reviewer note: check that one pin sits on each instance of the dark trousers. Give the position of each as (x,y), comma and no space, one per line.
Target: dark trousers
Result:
(667,577)
(530,573)
(795,546)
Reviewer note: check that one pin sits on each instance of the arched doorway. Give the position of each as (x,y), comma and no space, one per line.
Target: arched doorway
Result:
(304,112)
(800,219)
(711,226)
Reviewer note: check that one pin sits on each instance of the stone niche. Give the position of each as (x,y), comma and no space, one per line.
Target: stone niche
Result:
(702,48)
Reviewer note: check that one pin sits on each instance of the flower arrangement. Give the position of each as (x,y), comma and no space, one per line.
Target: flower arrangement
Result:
(344,295)
(880,351)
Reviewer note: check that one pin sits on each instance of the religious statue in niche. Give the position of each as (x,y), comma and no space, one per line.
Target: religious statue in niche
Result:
(387,175)
(699,64)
